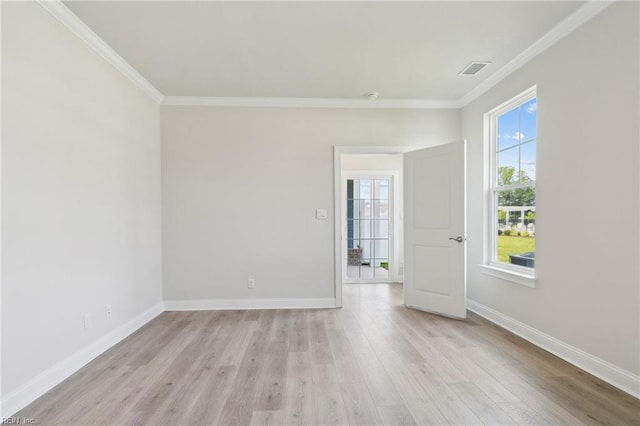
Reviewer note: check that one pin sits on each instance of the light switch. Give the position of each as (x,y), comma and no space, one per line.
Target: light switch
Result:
(321,214)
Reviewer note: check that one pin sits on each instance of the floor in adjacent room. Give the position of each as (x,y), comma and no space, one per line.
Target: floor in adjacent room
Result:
(372,362)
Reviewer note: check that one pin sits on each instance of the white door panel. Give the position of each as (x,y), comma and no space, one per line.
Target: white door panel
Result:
(434,208)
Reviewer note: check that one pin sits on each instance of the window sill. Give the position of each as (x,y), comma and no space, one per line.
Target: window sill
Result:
(524,279)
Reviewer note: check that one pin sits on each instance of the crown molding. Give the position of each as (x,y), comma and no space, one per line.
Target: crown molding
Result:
(80,29)
(563,29)
(310,102)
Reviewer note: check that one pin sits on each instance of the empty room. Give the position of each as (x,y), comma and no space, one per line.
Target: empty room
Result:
(320,212)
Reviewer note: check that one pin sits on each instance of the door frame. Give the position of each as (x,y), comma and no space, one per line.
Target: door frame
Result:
(337,201)
(394,178)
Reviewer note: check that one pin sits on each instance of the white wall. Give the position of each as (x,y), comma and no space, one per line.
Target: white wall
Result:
(240,188)
(587,294)
(358,162)
(80,196)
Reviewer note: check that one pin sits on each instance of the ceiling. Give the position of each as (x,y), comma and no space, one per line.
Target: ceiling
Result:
(403,50)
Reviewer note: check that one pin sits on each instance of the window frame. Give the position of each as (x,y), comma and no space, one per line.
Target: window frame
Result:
(491,266)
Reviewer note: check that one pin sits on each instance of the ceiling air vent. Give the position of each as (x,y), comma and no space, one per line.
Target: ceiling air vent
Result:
(473,68)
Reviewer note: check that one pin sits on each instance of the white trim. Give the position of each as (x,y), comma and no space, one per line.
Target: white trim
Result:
(612,374)
(355,281)
(564,28)
(91,39)
(42,383)
(511,273)
(374,174)
(310,102)
(374,149)
(513,186)
(2,416)
(557,33)
(337,224)
(521,98)
(247,304)
(512,276)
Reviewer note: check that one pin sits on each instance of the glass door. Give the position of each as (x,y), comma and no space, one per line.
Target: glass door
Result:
(368,208)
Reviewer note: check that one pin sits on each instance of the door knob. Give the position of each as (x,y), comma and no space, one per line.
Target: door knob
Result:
(458,239)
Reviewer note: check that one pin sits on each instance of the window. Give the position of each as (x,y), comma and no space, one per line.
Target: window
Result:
(368,225)
(512,131)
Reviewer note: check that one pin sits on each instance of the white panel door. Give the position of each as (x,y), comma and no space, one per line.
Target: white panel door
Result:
(434,230)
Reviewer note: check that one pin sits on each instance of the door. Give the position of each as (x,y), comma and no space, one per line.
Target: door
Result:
(368,228)
(434,220)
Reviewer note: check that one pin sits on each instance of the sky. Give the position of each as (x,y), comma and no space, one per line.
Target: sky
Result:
(517,138)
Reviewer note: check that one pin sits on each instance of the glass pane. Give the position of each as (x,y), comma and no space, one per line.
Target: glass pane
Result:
(382,189)
(351,232)
(367,228)
(354,259)
(508,166)
(508,129)
(365,188)
(516,240)
(381,208)
(382,269)
(528,162)
(521,197)
(350,187)
(365,209)
(353,209)
(353,229)
(381,228)
(382,249)
(528,119)
(364,228)
(367,251)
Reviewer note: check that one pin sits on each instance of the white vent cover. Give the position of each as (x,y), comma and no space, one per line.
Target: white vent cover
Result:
(473,68)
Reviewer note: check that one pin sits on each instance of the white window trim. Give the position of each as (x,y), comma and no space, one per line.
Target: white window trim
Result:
(513,273)
(522,278)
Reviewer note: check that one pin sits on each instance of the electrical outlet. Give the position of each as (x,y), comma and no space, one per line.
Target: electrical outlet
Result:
(87,320)
(251,283)
(107,311)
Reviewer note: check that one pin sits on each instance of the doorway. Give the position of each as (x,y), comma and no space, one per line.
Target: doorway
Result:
(434,278)
(370,194)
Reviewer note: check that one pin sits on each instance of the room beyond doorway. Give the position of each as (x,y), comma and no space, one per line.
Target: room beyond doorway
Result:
(370,218)
(369,237)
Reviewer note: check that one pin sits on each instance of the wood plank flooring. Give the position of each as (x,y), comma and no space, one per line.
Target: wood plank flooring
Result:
(372,362)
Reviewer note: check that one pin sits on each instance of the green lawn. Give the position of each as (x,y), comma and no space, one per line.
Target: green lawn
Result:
(514,245)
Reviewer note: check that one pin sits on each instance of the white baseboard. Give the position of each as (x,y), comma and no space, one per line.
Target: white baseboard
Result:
(36,387)
(612,374)
(225,304)
(32,390)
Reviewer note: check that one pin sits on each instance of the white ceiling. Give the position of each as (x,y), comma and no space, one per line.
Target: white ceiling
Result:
(404,50)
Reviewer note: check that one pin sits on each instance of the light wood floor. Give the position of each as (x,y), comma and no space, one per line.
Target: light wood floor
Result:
(372,362)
